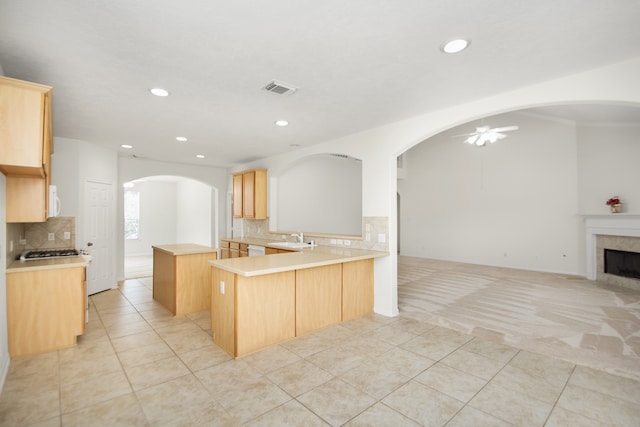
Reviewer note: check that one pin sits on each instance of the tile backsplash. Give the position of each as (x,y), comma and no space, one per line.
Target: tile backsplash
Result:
(61,229)
(376,229)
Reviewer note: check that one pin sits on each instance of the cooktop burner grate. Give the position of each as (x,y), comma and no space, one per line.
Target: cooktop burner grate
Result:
(52,253)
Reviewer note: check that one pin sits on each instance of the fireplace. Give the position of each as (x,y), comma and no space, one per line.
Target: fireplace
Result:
(613,232)
(622,263)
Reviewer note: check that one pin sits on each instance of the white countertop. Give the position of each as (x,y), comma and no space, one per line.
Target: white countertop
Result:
(298,259)
(49,264)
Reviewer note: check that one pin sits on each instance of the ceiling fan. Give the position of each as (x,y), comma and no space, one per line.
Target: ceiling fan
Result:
(484,134)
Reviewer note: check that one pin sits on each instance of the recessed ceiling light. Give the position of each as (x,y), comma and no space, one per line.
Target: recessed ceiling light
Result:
(282,123)
(200,156)
(181,138)
(455,46)
(126,146)
(159,92)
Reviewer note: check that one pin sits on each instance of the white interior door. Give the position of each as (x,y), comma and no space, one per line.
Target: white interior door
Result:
(99,234)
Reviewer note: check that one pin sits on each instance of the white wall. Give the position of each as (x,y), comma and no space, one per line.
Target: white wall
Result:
(378,148)
(321,194)
(510,204)
(158,215)
(608,165)
(130,169)
(194,212)
(171,212)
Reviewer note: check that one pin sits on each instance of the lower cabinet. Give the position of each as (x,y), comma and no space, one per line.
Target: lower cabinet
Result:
(252,313)
(181,282)
(318,298)
(45,309)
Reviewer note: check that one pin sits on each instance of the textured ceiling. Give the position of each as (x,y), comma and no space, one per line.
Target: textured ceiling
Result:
(358,64)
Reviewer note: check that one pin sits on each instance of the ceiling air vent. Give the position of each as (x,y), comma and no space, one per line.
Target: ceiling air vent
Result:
(280,88)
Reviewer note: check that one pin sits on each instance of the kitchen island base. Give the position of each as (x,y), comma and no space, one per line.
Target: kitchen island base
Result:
(251,313)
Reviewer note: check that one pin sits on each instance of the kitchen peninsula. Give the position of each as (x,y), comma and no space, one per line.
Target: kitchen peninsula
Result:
(180,277)
(260,301)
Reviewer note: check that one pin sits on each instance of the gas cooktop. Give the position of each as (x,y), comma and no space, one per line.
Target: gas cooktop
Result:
(45,254)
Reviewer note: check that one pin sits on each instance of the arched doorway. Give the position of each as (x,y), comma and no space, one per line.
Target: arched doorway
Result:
(163,209)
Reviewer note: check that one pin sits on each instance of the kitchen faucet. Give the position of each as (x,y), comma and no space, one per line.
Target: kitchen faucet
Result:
(299,236)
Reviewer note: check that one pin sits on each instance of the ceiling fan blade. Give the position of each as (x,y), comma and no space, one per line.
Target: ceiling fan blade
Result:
(505,129)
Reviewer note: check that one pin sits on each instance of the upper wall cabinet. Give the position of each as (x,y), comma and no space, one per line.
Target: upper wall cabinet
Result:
(25,128)
(250,194)
(26,144)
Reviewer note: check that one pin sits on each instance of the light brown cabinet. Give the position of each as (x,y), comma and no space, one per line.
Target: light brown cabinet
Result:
(230,249)
(181,277)
(45,309)
(249,313)
(25,153)
(250,194)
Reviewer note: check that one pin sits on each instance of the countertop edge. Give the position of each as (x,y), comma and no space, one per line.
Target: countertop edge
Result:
(309,263)
(51,264)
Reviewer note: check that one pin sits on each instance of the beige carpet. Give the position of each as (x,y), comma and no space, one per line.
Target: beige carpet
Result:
(566,317)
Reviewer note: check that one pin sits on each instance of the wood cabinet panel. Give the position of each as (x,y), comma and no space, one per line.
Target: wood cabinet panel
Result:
(193,285)
(45,310)
(181,283)
(318,298)
(357,289)
(223,310)
(26,199)
(25,127)
(250,194)
(265,311)
(164,279)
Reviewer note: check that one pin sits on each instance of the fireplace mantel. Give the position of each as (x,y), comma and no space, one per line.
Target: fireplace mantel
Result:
(620,224)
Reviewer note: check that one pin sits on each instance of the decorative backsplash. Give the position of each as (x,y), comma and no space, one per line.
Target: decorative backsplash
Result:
(62,230)
(376,228)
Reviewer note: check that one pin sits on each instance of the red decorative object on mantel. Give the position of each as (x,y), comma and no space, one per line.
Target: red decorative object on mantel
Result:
(615,204)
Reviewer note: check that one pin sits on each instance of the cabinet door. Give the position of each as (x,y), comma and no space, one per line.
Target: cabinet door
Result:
(248,194)
(26,199)
(25,126)
(237,196)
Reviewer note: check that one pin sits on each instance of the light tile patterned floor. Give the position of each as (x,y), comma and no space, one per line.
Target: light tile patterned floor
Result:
(139,366)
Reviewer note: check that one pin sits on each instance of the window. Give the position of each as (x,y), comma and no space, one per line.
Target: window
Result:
(131,215)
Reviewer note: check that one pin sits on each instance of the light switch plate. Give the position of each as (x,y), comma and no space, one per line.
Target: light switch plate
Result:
(382,238)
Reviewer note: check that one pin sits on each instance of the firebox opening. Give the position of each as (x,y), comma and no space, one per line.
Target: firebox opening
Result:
(622,263)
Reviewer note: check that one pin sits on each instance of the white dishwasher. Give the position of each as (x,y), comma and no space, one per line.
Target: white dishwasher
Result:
(255,250)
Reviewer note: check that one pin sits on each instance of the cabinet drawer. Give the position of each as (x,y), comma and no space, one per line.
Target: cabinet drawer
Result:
(224,244)
(234,245)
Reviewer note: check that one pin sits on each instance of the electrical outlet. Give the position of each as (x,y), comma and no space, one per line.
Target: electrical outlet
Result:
(382,238)
(67,235)
(52,236)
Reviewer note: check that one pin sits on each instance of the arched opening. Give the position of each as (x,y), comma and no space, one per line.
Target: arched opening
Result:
(504,225)
(163,209)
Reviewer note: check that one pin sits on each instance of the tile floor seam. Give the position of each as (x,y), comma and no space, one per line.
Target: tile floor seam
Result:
(555,404)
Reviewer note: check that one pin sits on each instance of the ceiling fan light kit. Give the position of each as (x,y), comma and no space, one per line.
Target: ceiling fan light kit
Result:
(484,134)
